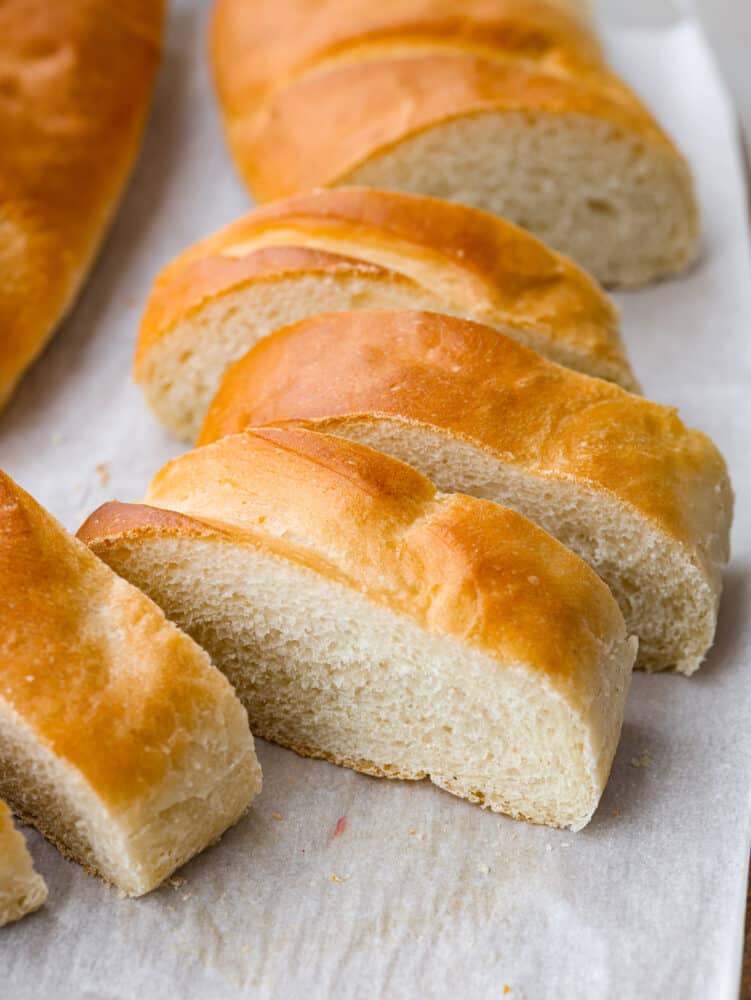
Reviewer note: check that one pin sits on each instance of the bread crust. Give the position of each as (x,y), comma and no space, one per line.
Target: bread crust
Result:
(474,384)
(476,263)
(77,78)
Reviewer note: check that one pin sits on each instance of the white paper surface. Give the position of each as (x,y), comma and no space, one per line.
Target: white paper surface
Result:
(437,897)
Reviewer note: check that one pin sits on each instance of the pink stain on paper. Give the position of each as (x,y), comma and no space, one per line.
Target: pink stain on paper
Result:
(341,826)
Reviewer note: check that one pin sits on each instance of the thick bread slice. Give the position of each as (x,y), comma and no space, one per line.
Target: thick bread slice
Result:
(505,106)
(119,740)
(76,81)
(356,249)
(369,620)
(620,480)
(22,890)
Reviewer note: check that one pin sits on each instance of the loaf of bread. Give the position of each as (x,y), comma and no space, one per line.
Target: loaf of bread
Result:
(76,80)
(119,740)
(352,249)
(507,105)
(618,479)
(22,890)
(369,620)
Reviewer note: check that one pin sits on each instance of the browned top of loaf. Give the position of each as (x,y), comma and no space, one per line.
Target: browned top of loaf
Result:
(472,260)
(76,77)
(305,108)
(459,566)
(467,380)
(89,664)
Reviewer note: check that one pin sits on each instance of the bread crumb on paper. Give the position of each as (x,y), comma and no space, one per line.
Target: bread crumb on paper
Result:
(176,881)
(277,816)
(643,760)
(616,812)
(102,470)
(338,878)
(483,869)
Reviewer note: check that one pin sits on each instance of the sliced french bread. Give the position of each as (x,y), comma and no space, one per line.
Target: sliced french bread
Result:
(22,890)
(366,619)
(119,740)
(506,105)
(618,479)
(355,249)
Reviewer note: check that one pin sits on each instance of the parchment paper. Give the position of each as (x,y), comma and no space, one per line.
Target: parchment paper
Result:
(433,897)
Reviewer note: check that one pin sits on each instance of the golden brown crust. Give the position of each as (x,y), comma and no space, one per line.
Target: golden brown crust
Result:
(304,108)
(458,566)
(473,261)
(469,381)
(87,661)
(76,76)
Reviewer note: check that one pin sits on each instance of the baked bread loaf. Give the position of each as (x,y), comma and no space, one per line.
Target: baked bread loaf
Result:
(119,740)
(618,479)
(507,105)
(369,620)
(22,890)
(358,248)
(76,80)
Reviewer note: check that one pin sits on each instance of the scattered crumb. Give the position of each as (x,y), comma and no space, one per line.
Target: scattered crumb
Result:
(176,881)
(341,826)
(187,896)
(122,894)
(483,869)
(338,878)
(277,816)
(506,989)
(102,470)
(643,760)
(412,831)
(616,812)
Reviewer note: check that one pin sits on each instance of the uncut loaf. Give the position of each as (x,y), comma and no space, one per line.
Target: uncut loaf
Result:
(22,890)
(506,105)
(620,480)
(355,249)
(119,740)
(366,619)
(77,77)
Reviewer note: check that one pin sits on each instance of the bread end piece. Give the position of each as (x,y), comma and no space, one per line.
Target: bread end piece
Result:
(22,889)
(119,740)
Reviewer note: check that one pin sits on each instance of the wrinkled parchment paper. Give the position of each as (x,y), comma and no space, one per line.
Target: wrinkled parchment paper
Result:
(421,895)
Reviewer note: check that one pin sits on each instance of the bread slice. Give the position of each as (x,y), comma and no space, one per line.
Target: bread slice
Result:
(76,84)
(355,249)
(22,890)
(618,479)
(504,105)
(369,620)
(119,740)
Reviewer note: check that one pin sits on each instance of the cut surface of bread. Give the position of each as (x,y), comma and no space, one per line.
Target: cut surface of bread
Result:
(355,248)
(618,479)
(369,620)
(506,106)
(77,78)
(119,740)
(22,890)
